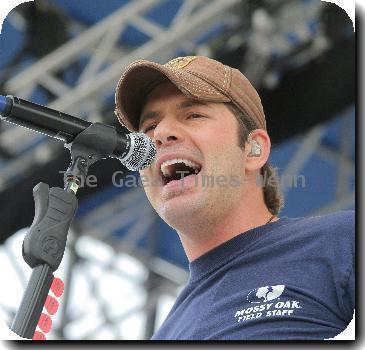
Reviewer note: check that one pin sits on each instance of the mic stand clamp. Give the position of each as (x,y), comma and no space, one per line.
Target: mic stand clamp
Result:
(44,245)
(96,142)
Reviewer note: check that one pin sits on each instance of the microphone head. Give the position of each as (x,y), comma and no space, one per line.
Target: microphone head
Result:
(142,152)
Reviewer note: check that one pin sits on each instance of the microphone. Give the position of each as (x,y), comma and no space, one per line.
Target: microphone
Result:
(136,151)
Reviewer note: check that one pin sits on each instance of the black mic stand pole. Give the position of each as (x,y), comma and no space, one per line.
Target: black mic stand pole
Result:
(45,243)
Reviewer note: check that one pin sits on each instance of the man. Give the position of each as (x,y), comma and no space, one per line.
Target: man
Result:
(252,275)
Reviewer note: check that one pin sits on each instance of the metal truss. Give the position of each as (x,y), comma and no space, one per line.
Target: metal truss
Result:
(106,60)
(289,33)
(312,144)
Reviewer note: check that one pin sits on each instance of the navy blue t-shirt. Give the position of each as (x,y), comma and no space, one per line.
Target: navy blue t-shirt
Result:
(292,279)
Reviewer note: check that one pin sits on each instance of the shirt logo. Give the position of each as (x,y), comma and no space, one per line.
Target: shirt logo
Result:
(268,304)
(264,294)
(180,62)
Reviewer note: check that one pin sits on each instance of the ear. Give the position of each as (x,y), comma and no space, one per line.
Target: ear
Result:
(256,160)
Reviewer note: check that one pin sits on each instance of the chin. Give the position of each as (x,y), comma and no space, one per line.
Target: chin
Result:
(177,210)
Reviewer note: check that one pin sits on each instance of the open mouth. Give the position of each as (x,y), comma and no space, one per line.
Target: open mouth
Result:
(178,169)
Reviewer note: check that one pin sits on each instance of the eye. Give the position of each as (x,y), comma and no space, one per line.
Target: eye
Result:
(152,126)
(195,115)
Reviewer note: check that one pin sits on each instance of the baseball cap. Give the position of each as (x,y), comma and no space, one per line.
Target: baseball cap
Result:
(198,77)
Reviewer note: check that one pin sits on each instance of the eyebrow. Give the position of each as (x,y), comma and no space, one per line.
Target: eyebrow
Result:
(191,103)
(149,115)
(182,105)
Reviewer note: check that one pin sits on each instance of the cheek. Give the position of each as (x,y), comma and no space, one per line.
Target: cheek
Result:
(222,148)
(228,161)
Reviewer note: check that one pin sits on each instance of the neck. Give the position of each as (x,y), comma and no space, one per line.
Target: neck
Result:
(200,236)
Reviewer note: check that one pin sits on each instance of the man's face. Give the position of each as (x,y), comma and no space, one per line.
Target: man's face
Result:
(196,139)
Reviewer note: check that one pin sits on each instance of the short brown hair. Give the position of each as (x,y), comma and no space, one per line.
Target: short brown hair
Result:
(273,196)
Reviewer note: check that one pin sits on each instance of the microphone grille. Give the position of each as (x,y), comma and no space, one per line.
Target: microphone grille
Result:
(142,152)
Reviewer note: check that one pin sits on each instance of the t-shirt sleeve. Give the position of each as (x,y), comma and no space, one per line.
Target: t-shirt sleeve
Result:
(348,247)
(348,300)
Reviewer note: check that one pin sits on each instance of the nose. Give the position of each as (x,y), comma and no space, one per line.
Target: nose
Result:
(167,132)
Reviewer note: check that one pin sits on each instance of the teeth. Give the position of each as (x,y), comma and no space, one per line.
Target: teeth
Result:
(165,165)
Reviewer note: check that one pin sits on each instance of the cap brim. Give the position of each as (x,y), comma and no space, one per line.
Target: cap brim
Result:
(142,77)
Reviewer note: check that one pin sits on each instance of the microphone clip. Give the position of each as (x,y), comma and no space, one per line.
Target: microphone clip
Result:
(98,141)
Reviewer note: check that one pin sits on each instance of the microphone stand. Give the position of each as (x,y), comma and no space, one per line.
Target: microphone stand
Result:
(45,243)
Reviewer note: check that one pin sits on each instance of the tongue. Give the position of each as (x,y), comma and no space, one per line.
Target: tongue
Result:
(180,171)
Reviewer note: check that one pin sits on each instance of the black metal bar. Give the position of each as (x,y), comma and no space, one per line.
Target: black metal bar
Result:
(27,317)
